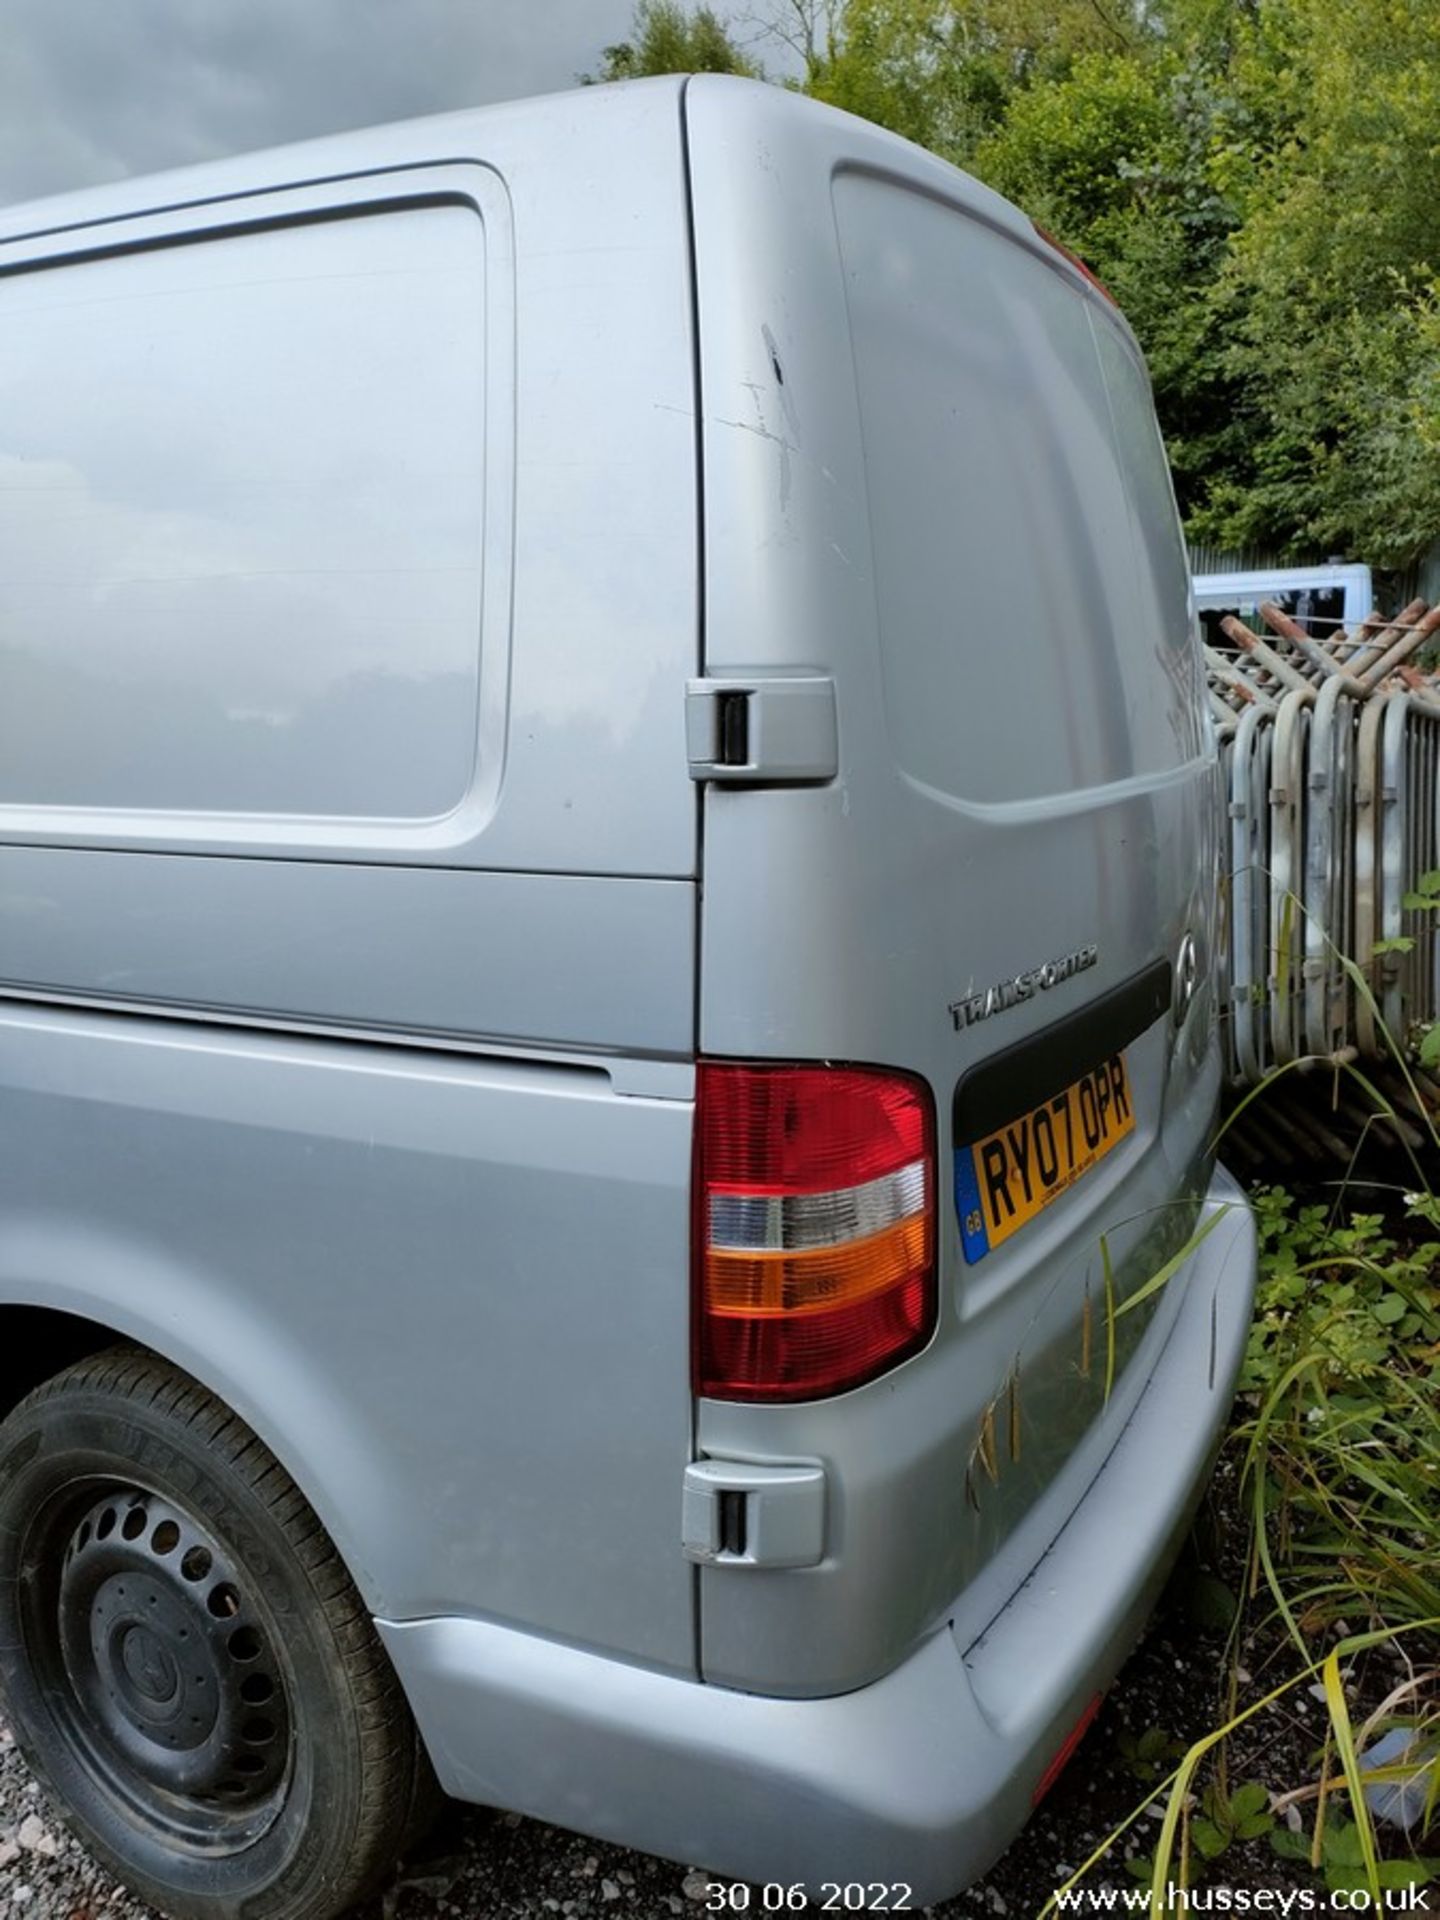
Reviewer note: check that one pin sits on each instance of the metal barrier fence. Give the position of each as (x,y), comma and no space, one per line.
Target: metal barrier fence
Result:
(1331,761)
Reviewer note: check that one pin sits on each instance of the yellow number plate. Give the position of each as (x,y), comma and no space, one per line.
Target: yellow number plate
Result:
(1013,1174)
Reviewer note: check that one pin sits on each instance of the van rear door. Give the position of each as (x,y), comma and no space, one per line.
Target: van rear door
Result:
(932,478)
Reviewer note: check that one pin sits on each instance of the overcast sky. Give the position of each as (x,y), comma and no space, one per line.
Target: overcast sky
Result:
(96,89)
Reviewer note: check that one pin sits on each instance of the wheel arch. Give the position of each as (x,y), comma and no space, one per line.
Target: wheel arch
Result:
(246,1363)
(36,1343)
(102,1696)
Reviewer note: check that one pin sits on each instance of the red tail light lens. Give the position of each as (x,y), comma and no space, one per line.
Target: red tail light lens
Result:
(814,1228)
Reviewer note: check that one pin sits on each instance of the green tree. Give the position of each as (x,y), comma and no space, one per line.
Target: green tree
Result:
(1329,290)
(667,38)
(942,72)
(1113,159)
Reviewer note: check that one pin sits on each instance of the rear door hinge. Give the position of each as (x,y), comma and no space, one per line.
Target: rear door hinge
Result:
(762,729)
(741,1515)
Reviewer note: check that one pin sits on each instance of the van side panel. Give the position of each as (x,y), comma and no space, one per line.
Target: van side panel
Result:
(433,1283)
(544,959)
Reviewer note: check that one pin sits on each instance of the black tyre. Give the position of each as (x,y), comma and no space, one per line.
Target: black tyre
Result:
(184,1660)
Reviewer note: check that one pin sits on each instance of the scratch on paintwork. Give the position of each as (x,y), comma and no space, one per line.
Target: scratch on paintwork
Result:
(786,396)
(836,548)
(763,432)
(751,426)
(985,1446)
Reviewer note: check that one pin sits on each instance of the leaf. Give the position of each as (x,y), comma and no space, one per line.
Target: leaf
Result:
(1429,883)
(1211,1603)
(1250,1813)
(1345,1879)
(1290,1846)
(1253,1825)
(1166,1273)
(1250,1799)
(1349,1760)
(1430,1047)
(1399,944)
(1342,1845)
(1418,903)
(1408,1873)
(1208,1838)
(1389,1308)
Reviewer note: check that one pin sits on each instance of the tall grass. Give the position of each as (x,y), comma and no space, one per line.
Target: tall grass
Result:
(1337,1446)
(1341,1454)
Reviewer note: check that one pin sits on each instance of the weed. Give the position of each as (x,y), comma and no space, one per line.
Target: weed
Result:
(1337,1440)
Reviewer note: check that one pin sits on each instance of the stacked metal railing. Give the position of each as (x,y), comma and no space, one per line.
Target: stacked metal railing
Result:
(1331,766)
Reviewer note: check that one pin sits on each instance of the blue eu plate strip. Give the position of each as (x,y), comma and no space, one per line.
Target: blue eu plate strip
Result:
(974,1241)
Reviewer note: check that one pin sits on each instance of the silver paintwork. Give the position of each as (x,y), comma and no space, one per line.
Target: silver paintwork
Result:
(222,619)
(573,960)
(366,1093)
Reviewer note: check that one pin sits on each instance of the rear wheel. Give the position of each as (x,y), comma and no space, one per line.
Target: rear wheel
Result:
(184,1659)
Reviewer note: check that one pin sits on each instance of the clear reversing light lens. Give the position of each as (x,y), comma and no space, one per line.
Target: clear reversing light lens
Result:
(815,1228)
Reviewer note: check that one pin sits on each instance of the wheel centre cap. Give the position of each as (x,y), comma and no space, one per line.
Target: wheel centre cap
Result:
(151,1669)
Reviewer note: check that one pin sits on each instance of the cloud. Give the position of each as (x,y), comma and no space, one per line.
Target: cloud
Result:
(93,90)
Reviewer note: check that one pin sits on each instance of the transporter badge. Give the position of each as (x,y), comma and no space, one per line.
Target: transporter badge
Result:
(974,1007)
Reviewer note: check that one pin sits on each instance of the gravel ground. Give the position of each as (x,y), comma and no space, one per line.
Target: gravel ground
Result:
(482,1865)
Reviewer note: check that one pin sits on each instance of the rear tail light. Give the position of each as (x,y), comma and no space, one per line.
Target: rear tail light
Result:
(814,1228)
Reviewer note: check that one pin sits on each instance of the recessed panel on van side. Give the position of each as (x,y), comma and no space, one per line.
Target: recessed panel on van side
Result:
(1024,652)
(241,538)
(932,474)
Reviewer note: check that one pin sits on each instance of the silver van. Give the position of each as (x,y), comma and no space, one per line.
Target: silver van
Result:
(607,886)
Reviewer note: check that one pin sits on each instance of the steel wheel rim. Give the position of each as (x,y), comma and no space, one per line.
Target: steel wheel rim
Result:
(161,1668)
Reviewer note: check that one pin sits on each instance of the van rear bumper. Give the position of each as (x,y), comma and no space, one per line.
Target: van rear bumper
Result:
(923,1777)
